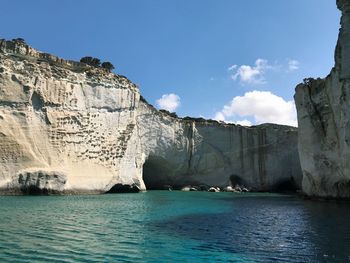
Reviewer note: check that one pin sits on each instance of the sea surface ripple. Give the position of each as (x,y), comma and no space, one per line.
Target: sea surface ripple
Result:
(161,226)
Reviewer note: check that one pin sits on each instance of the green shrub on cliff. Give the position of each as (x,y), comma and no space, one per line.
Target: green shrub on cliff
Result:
(21,40)
(95,62)
(107,66)
(172,114)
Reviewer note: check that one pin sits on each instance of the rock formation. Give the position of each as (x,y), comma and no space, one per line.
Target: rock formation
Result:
(66,127)
(194,152)
(323,107)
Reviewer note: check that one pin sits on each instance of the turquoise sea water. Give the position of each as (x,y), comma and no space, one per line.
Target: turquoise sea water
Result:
(161,226)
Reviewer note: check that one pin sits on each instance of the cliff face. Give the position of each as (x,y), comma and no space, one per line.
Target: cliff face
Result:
(67,127)
(323,107)
(188,152)
(63,125)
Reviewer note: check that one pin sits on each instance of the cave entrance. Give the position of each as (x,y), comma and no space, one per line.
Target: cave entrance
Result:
(286,186)
(37,101)
(157,173)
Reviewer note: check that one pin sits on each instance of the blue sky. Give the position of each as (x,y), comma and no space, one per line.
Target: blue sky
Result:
(185,48)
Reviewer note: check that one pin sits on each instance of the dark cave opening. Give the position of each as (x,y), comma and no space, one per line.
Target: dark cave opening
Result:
(37,101)
(286,186)
(157,173)
(34,190)
(236,180)
(123,188)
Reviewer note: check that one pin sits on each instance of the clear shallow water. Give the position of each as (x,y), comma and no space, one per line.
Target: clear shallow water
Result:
(161,226)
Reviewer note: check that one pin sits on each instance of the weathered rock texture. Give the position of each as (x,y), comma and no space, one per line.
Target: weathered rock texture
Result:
(187,152)
(65,118)
(323,107)
(66,127)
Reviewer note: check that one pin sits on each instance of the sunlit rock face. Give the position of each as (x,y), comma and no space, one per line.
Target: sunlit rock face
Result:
(323,107)
(200,152)
(66,127)
(63,117)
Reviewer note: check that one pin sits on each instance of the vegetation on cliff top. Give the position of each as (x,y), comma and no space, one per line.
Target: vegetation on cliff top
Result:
(95,62)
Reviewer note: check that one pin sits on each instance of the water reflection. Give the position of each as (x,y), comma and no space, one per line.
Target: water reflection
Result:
(283,229)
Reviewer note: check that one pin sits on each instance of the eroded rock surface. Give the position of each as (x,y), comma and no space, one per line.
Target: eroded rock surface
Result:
(188,152)
(68,117)
(66,127)
(323,107)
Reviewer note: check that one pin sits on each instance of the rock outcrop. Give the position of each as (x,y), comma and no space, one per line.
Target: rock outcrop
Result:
(59,116)
(323,107)
(66,127)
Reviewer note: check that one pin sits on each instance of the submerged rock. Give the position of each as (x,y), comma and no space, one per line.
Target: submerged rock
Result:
(214,189)
(229,189)
(244,189)
(323,107)
(186,188)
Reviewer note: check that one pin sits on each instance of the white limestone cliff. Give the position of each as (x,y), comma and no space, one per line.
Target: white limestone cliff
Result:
(66,127)
(323,107)
(201,152)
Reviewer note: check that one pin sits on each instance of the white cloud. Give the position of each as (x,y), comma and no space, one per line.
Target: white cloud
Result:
(219,116)
(169,102)
(293,64)
(262,106)
(251,74)
(244,123)
(232,67)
